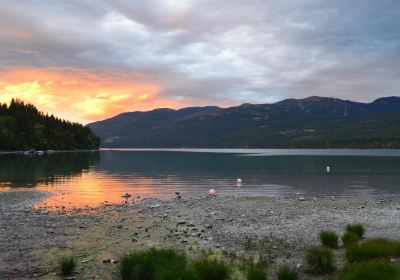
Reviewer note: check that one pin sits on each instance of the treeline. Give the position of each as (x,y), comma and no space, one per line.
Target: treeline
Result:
(23,127)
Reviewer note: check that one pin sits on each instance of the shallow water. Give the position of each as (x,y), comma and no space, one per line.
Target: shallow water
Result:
(90,178)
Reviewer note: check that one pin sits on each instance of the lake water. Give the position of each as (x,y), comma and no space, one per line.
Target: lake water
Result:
(90,178)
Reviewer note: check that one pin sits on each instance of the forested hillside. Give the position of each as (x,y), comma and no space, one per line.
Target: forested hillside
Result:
(314,122)
(23,127)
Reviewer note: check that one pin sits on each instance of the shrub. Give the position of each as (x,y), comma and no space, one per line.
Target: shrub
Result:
(349,238)
(67,265)
(287,273)
(329,239)
(373,249)
(210,269)
(255,272)
(320,260)
(153,264)
(371,271)
(358,229)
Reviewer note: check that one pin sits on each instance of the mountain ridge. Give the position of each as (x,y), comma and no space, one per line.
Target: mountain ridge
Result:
(312,122)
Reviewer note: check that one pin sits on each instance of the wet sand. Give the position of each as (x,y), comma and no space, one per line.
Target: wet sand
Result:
(277,228)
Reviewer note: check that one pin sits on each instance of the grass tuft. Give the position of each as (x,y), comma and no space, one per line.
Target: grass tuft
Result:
(67,265)
(287,273)
(255,271)
(349,238)
(320,260)
(371,271)
(329,239)
(153,264)
(373,249)
(358,229)
(210,269)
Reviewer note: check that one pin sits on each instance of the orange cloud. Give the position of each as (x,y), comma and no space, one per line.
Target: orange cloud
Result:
(80,95)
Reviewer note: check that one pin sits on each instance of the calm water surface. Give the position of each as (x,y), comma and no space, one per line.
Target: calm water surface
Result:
(90,178)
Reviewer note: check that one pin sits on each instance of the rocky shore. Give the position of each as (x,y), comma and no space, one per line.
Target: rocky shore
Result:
(278,229)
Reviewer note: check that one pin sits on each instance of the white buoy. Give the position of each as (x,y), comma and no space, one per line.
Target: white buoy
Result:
(212,193)
(238,181)
(328,169)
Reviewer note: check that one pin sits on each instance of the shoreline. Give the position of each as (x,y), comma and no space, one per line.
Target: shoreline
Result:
(279,228)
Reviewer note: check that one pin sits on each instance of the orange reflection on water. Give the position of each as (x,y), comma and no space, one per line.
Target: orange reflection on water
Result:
(93,188)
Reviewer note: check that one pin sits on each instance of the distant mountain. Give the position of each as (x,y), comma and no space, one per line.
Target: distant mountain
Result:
(313,122)
(23,127)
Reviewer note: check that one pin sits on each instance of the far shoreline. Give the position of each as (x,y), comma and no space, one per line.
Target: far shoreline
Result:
(36,152)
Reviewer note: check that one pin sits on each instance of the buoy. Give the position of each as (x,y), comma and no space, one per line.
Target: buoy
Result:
(212,193)
(328,169)
(238,181)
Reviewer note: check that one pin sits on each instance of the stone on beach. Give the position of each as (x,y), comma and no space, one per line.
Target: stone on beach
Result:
(126,195)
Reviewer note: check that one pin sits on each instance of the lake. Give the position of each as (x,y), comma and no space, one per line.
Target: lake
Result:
(90,178)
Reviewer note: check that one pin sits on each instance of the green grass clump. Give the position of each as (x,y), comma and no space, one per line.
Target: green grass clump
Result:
(287,273)
(320,260)
(255,272)
(210,269)
(349,238)
(373,249)
(358,229)
(329,239)
(154,264)
(67,265)
(371,271)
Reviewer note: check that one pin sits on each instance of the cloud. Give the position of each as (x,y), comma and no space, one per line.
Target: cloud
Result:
(182,53)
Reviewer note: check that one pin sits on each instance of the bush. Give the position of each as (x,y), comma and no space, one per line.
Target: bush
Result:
(350,238)
(287,273)
(67,265)
(255,272)
(371,271)
(358,229)
(320,260)
(153,264)
(373,249)
(329,239)
(210,269)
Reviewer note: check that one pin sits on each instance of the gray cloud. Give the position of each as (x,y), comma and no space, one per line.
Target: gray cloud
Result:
(215,52)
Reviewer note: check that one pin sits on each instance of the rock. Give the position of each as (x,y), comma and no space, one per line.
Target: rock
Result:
(107,261)
(120,225)
(182,222)
(84,261)
(83,226)
(302,198)
(126,195)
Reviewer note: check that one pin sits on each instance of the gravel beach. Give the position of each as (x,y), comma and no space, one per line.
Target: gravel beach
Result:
(34,238)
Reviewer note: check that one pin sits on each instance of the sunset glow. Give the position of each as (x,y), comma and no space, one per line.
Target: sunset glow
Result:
(89,62)
(79,95)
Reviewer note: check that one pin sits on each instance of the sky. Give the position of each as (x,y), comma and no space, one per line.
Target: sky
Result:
(89,60)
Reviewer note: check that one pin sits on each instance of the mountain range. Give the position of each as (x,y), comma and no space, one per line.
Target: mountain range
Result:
(313,122)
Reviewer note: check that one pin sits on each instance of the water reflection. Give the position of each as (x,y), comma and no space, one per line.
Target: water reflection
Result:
(30,171)
(91,178)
